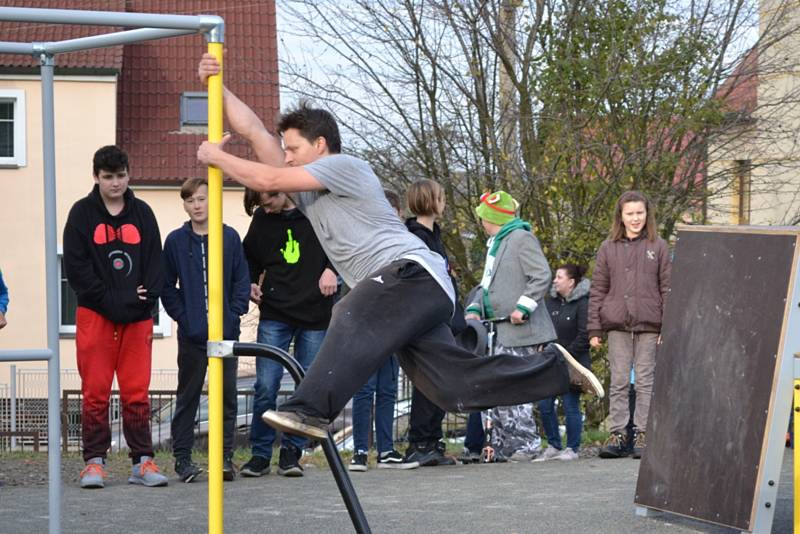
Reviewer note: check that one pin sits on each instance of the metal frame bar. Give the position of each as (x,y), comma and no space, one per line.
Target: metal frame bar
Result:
(329,446)
(198,23)
(90,42)
(150,26)
(766,496)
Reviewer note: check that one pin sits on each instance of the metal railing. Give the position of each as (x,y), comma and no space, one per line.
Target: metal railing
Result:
(162,408)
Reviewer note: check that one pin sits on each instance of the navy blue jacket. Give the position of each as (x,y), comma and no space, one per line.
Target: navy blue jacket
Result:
(185,273)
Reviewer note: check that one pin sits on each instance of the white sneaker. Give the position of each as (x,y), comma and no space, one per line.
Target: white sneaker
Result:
(549,453)
(567,455)
(521,456)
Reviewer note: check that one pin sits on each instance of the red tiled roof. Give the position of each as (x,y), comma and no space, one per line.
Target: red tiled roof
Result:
(26,32)
(740,89)
(156,73)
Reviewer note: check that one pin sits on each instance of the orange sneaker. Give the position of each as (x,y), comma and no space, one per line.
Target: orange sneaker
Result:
(146,473)
(93,474)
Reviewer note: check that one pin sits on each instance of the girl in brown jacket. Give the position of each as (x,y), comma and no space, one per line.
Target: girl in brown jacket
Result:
(629,287)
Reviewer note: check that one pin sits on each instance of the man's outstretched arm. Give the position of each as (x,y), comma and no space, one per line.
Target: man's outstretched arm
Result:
(242,119)
(257,176)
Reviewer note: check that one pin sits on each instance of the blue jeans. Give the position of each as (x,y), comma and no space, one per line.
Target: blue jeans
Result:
(476,435)
(268,378)
(572,415)
(383,386)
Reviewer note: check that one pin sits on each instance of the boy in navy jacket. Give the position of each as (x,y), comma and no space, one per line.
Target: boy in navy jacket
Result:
(185,297)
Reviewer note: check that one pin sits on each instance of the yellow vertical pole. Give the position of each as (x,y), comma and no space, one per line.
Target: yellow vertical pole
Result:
(215,329)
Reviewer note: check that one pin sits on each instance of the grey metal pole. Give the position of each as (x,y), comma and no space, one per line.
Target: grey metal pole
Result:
(110,18)
(13,395)
(16,48)
(26,355)
(112,39)
(51,274)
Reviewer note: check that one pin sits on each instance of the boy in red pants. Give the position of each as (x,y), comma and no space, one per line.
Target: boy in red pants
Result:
(112,259)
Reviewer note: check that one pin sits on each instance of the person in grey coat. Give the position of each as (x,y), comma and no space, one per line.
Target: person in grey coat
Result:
(515,280)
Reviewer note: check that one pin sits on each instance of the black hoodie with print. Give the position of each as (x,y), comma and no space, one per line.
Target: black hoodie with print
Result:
(285,248)
(106,257)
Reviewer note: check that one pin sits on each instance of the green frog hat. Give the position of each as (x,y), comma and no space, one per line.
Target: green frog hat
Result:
(497,208)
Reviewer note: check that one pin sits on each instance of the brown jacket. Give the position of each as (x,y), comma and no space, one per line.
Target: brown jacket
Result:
(629,286)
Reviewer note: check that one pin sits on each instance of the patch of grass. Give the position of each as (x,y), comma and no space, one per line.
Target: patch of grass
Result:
(593,436)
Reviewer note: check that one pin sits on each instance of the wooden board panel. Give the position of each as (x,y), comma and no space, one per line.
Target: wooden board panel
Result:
(714,375)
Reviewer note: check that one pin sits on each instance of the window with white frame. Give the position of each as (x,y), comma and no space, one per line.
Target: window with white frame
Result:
(12,128)
(162,323)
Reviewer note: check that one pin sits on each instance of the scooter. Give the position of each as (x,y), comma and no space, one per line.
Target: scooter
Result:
(488,453)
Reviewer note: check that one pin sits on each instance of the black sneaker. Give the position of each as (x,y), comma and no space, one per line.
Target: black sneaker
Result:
(187,470)
(639,443)
(359,462)
(228,469)
(297,423)
(394,460)
(428,454)
(441,457)
(289,461)
(255,467)
(616,446)
(469,457)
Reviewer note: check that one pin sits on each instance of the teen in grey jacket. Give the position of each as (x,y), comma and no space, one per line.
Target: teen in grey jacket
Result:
(516,278)
(521,278)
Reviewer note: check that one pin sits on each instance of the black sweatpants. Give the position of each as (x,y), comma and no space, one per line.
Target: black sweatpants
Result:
(425,421)
(401,309)
(192,365)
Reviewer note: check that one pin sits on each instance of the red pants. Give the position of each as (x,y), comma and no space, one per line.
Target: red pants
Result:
(103,348)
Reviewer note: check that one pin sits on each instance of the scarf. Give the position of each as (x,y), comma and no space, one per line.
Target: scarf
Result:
(488,271)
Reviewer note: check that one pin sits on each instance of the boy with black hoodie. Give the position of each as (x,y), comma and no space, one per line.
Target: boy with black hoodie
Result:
(185,297)
(112,259)
(426,200)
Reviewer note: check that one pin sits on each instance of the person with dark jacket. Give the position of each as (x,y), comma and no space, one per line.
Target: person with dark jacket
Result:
(294,285)
(426,200)
(629,287)
(568,304)
(185,297)
(112,260)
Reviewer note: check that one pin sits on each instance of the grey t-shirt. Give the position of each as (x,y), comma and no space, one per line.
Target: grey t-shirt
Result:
(358,229)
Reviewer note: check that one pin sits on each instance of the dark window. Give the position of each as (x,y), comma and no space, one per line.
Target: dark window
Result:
(6,128)
(69,301)
(194,109)
(742,185)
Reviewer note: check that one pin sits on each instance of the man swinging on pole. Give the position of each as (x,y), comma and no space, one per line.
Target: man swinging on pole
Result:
(401,299)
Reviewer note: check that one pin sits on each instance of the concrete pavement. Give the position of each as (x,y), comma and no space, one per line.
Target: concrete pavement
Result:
(587,496)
